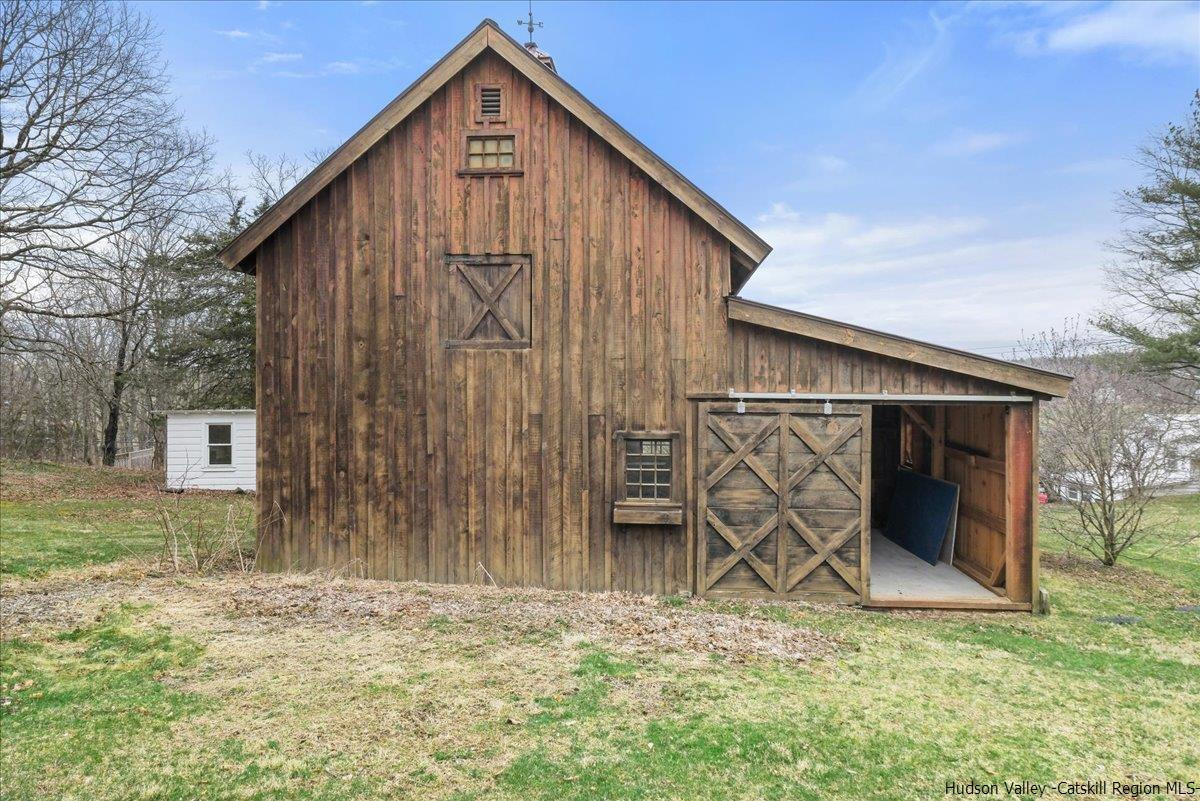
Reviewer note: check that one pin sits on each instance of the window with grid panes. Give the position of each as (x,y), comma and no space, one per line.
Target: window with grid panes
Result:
(490,152)
(220,444)
(648,469)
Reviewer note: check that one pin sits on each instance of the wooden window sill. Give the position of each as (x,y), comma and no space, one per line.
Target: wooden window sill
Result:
(488,344)
(652,514)
(482,172)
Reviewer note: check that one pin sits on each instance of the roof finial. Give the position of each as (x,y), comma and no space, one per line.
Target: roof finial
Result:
(530,25)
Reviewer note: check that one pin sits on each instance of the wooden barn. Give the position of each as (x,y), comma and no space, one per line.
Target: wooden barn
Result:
(499,340)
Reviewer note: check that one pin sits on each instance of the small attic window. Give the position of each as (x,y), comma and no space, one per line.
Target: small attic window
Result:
(489,103)
(489,153)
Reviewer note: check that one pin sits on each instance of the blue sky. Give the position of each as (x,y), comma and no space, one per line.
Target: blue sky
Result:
(945,171)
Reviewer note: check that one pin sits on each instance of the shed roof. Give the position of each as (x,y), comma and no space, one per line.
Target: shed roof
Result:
(749,248)
(913,350)
(202,411)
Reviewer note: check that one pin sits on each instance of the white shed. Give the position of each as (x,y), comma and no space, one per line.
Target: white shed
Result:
(210,449)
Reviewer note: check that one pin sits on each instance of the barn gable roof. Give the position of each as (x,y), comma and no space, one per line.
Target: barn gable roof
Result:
(1002,372)
(749,248)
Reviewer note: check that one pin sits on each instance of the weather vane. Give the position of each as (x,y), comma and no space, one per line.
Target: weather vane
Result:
(530,25)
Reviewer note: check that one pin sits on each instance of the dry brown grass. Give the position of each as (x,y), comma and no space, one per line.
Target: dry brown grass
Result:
(630,623)
(429,691)
(49,482)
(1119,578)
(399,678)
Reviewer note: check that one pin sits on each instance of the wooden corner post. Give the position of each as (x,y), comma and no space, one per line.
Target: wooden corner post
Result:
(1019,500)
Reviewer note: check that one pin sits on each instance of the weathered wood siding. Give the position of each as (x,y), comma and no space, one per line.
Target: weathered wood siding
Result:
(979,546)
(765,360)
(388,454)
(385,450)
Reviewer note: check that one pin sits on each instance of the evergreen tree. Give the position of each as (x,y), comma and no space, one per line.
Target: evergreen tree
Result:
(1158,278)
(213,358)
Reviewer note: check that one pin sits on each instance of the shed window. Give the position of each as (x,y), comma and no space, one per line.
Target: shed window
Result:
(220,444)
(648,469)
(487,302)
(491,152)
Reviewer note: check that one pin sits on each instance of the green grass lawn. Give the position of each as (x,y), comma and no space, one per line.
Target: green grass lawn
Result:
(1172,518)
(58,516)
(268,687)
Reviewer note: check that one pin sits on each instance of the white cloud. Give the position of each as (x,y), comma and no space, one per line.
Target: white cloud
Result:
(947,279)
(260,36)
(971,143)
(355,67)
(343,68)
(1168,28)
(904,62)
(278,58)
(1152,30)
(829,163)
(814,240)
(263,5)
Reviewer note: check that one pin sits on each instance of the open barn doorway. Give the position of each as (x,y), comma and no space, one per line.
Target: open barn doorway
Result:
(940,505)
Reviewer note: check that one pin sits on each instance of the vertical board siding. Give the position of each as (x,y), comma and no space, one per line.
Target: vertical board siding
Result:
(765,360)
(980,541)
(386,454)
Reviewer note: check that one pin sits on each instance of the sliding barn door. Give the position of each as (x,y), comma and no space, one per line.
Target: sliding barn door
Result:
(784,501)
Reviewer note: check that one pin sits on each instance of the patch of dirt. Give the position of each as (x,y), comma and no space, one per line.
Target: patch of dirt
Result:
(434,686)
(632,621)
(629,622)
(62,607)
(67,598)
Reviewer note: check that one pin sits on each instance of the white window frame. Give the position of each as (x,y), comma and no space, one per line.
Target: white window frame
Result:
(209,444)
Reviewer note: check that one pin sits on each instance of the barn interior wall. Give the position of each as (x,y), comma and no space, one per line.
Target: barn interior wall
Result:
(972,454)
(975,460)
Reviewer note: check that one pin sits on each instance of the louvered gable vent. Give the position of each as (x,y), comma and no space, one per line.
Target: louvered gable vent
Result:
(489,101)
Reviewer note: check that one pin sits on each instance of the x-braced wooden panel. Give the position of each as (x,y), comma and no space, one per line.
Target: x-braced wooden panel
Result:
(773,471)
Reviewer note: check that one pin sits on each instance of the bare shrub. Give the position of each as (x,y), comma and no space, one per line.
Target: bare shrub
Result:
(1110,447)
(198,541)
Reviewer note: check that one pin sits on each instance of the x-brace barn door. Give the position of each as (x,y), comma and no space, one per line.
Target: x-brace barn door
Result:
(784,501)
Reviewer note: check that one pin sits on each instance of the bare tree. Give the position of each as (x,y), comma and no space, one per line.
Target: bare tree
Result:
(1109,447)
(100,183)
(91,146)
(272,176)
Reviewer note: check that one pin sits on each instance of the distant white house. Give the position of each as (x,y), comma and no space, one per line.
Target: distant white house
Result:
(1176,462)
(210,449)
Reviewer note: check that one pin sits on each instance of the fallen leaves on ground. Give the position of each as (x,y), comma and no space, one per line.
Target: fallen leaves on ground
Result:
(632,621)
